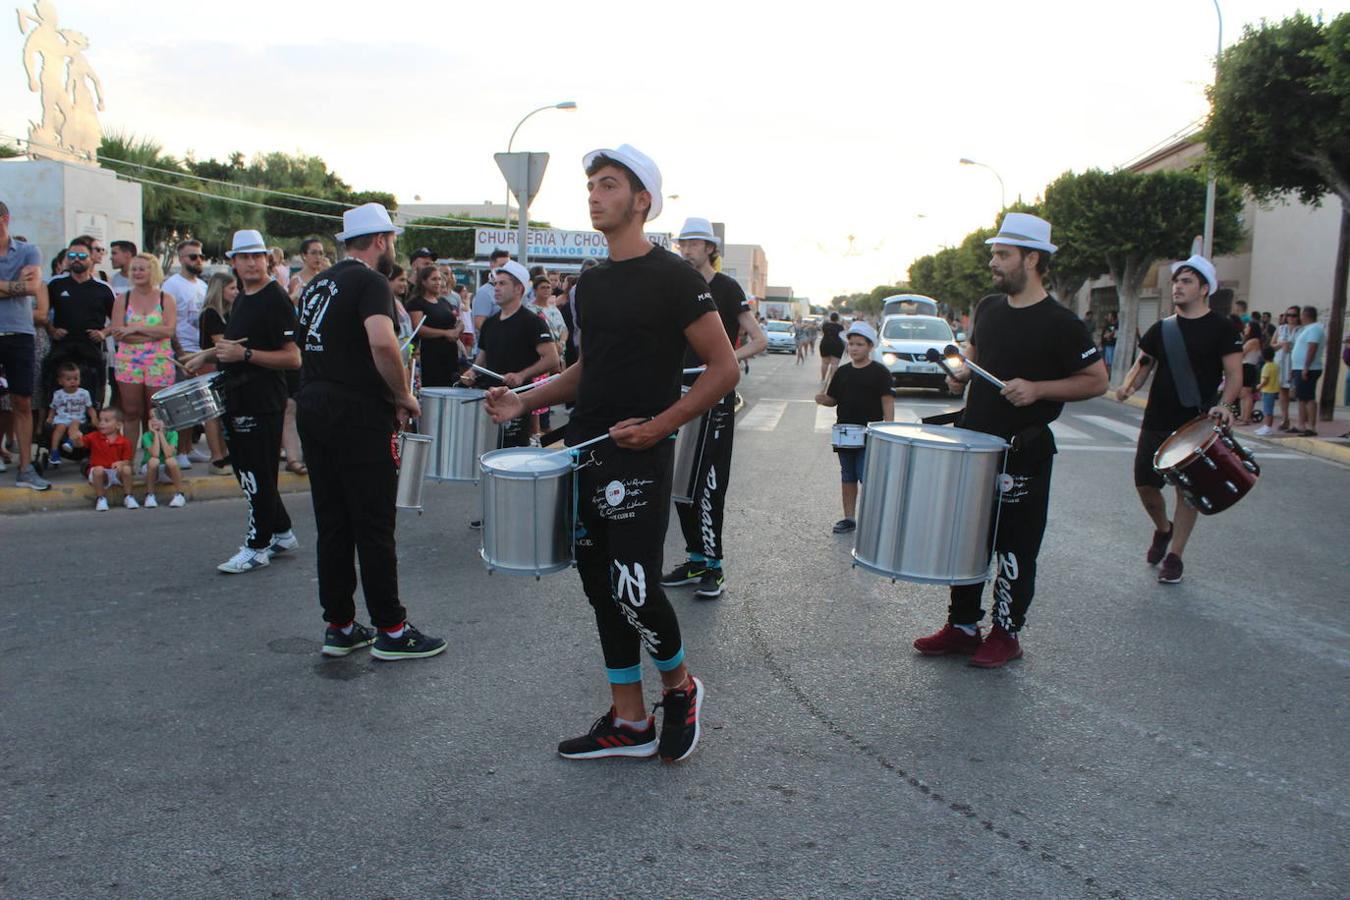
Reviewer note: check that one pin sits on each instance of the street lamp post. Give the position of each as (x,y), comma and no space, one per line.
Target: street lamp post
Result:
(1210,187)
(506,208)
(1002,190)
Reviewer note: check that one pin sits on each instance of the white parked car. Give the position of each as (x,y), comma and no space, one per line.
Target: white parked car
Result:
(903,347)
(780,337)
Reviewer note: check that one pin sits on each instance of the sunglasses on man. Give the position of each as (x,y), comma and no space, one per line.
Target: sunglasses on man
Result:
(75,254)
(192,256)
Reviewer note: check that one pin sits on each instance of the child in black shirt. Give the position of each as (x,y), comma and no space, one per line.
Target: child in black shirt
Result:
(862,392)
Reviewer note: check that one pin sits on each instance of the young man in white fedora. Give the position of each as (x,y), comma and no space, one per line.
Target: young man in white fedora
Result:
(701,519)
(1045,356)
(636,312)
(354,394)
(257,348)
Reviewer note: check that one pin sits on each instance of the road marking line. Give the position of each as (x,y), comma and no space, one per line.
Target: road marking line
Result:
(763,416)
(1129,431)
(1067,432)
(824,418)
(1117,448)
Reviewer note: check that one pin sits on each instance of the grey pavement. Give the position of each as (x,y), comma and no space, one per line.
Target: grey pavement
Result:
(169,731)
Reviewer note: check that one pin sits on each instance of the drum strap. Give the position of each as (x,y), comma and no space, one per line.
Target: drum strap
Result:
(1188,392)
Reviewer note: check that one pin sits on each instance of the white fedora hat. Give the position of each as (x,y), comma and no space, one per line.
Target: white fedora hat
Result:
(368,218)
(696,229)
(642,166)
(247,241)
(1024,230)
(516,271)
(862,329)
(1201,265)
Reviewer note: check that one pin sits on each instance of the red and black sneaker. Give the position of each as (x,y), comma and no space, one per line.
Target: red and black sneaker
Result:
(948,639)
(608,739)
(679,721)
(1170,572)
(999,648)
(1158,548)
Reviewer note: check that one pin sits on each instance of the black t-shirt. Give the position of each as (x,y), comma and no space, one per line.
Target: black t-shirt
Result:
(632,315)
(79,306)
(731,302)
(1208,340)
(830,335)
(1041,342)
(267,319)
(439,313)
(333,341)
(859,392)
(210,326)
(510,344)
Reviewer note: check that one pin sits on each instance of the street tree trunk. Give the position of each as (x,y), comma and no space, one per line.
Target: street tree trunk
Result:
(1336,323)
(1129,279)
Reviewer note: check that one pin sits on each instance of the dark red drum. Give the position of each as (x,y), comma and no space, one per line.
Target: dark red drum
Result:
(1207,463)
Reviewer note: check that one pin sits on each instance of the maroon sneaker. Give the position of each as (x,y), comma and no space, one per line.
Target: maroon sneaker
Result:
(949,639)
(1158,548)
(999,648)
(1170,573)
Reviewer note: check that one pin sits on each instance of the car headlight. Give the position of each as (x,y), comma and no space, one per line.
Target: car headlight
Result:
(889,359)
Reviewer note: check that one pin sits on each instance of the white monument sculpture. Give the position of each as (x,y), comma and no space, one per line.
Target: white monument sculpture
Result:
(66,83)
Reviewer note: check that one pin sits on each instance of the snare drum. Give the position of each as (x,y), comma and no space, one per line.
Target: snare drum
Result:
(848,437)
(689,447)
(1206,462)
(190,402)
(462,432)
(527,510)
(928,498)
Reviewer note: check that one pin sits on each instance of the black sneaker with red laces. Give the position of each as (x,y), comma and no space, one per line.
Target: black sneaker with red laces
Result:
(679,720)
(1158,548)
(609,739)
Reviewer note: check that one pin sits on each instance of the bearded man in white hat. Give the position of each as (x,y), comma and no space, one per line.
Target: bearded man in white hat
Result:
(1207,347)
(636,312)
(353,396)
(701,517)
(1045,356)
(257,348)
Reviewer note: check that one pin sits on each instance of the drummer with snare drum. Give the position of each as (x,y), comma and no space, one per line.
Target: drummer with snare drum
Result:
(1045,357)
(861,392)
(1212,349)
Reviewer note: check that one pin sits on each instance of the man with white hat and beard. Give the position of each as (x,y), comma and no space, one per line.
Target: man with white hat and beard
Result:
(701,519)
(636,312)
(353,396)
(257,348)
(1212,349)
(1045,356)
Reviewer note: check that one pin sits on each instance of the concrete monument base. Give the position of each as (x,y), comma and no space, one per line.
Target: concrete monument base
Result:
(51,202)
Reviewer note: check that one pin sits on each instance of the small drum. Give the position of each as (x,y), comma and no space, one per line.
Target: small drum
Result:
(414,452)
(462,432)
(848,437)
(1206,462)
(190,402)
(527,510)
(929,495)
(689,446)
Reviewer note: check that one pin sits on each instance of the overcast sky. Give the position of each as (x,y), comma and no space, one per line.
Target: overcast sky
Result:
(829,133)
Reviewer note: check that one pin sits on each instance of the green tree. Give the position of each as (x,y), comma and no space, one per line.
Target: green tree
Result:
(165,212)
(1122,222)
(1279,124)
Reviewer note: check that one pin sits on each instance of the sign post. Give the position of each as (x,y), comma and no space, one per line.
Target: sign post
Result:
(524,172)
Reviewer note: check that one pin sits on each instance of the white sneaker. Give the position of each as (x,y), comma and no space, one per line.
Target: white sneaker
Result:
(184,462)
(177,501)
(130,502)
(282,542)
(245,561)
(199,455)
(150,501)
(1264,430)
(101,505)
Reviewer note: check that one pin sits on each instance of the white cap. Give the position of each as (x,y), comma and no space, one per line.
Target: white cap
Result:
(696,229)
(247,241)
(642,166)
(368,218)
(862,329)
(1201,265)
(516,271)
(1024,230)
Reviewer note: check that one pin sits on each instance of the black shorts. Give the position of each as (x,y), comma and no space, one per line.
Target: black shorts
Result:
(1144,473)
(1249,375)
(18,357)
(1305,389)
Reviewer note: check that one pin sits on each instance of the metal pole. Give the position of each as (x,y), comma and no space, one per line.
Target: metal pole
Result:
(522,244)
(1207,241)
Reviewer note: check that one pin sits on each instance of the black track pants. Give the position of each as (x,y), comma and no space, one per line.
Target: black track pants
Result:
(1017,543)
(701,521)
(623,510)
(255,453)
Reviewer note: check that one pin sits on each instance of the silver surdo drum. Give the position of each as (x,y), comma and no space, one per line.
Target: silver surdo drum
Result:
(462,432)
(190,402)
(527,510)
(929,494)
(689,442)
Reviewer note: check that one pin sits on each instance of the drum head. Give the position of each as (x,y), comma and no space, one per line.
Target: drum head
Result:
(525,462)
(1184,443)
(185,387)
(937,436)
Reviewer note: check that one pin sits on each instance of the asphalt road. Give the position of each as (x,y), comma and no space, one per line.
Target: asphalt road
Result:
(168,731)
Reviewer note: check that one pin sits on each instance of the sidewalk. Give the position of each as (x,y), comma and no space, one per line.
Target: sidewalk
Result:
(71,490)
(1328,444)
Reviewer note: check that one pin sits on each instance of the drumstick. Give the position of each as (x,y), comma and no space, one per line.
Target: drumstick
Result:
(594,440)
(933,356)
(950,350)
(694,371)
(478,368)
(514,390)
(404,348)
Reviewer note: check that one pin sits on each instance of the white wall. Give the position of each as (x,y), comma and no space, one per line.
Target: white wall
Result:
(51,202)
(1294,255)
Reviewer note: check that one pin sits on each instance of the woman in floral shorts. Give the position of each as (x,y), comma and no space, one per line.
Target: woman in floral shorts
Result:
(145,318)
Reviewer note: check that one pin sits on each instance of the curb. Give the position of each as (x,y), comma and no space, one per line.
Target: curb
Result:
(80,495)
(1323,448)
